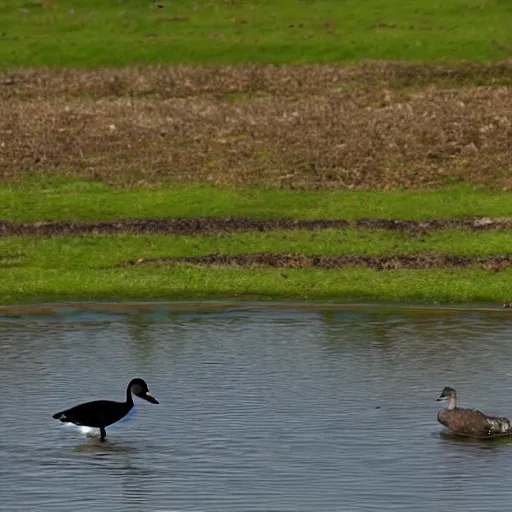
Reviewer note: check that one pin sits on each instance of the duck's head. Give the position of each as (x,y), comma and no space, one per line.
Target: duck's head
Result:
(139,388)
(447,394)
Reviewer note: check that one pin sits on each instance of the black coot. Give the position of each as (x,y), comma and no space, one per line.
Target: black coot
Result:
(102,413)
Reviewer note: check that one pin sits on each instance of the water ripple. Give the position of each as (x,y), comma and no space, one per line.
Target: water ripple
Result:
(260,410)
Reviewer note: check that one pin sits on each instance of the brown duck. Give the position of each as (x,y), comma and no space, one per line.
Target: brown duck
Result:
(470,422)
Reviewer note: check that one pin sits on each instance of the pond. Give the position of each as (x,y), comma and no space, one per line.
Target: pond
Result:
(261,409)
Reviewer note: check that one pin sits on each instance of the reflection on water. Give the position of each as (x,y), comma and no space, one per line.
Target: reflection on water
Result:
(260,410)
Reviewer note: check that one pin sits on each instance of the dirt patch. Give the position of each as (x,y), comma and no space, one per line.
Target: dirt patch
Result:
(287,80)
(214,225)
(310,127)
(276,260)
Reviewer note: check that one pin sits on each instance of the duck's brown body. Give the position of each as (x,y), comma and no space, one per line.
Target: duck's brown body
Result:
(471,422)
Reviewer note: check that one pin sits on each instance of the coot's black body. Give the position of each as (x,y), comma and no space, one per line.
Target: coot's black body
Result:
(102,413)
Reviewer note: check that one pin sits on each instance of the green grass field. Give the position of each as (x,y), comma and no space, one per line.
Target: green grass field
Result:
(97,252)
(184,282)
(119,33)
(79,267)
(69,199)
(63,144)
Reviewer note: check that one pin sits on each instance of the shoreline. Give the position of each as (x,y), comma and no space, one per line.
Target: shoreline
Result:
(367,165)
(239,304)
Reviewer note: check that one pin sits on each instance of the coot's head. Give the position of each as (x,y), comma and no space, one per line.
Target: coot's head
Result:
(139,388)
(447,394)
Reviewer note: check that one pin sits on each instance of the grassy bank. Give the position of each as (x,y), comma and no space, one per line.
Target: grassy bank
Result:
(362,143)
(200,31)
(32,285)
(97,252)
(50,198)
(91,267)
(229,134)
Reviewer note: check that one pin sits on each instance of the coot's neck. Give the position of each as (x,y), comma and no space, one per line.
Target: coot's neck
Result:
(452,403)
(129,397)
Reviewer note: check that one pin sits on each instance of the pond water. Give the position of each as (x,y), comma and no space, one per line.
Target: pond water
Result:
(261,409)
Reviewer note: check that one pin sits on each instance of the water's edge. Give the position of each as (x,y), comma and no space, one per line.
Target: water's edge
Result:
(218,305)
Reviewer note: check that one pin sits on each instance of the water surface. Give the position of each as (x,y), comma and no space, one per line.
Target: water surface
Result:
(260,409)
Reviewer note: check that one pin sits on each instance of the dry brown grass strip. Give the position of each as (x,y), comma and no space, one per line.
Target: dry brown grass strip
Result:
(286,260)
(166,81)
(215,225)
(308,127)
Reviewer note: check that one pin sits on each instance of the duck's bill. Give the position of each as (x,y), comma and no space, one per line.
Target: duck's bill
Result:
(440,398)
(150,398)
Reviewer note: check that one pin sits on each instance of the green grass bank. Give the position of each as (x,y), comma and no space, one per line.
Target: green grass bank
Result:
(374,110)
(49,198)
(92,267)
